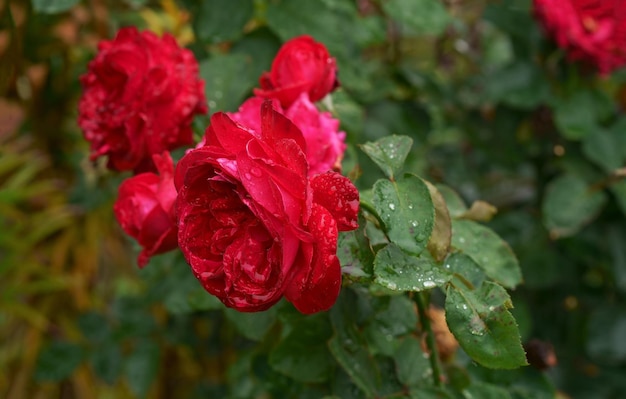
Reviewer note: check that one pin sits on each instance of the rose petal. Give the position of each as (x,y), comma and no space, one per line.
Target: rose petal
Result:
(338,195)
(316,282)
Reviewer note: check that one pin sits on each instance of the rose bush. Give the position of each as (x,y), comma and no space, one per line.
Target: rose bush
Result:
(302,65)
(590,31)
(325,144)
(252,224)
(140,94)
(145,209)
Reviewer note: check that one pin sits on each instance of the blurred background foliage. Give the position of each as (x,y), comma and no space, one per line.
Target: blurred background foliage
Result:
(494,110)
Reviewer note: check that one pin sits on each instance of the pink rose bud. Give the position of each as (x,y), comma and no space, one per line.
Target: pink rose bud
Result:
(145,209)
(302,65)
(140,95)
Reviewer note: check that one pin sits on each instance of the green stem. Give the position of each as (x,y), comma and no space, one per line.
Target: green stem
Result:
(421,303)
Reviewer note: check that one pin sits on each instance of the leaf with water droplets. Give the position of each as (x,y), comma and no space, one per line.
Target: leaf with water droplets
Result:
(349,348)
(354,252)
(485,329)
(412,363)
(488,250)
(406,208)
(389,153)
(399,271)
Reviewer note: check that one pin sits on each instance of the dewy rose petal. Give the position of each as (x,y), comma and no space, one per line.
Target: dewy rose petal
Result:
(589,30)
(145,209)
(251,223)
(302,65)
(140,95)
(325,144)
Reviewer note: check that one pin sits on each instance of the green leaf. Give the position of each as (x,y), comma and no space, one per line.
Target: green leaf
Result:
(389,153)
(397,319)
(253,326)
(521,84)
(94,327)
(228,78)
(53,6)
(461,264)
(337,24)
(354,252)
(406,208)
(575,116)
(399,271)
(604,148)
(430,393)
(348,111)
(220,20)
(484,327)
(488,250)
(422,17)
(607,329)
(106,360)
(456,205)
(303,354)
(57,361)
(484,390)
(141,366)
(412,363)
(569,204)
(349,347)
(260,45)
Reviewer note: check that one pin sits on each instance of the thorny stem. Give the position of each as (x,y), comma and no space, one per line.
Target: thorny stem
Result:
(420,301)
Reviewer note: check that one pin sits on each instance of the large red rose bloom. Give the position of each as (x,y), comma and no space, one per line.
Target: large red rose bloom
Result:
(591,31)
(140,95)
(252,224)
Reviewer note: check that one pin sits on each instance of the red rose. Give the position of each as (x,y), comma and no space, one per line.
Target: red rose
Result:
(301,66)
(251,223)
(145,209)
(589,30)
(140,96)
(325,144)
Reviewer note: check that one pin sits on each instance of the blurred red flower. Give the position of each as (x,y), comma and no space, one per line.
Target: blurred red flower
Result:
(592,31)
(140,95)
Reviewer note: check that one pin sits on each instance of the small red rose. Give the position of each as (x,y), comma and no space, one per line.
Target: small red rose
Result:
(145,209)
(140,95)
(302,65)
(252,224)
(589,30)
